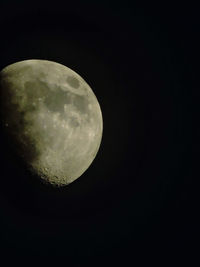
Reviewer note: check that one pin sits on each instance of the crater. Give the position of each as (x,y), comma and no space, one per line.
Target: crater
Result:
(73,122)
(73,82)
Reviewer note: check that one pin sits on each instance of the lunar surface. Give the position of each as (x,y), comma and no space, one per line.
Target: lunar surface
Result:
(53,118)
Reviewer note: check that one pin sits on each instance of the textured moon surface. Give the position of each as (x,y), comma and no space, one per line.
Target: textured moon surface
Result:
(53,118)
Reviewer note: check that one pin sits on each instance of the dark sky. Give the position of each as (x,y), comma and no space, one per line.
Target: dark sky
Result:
(137,201)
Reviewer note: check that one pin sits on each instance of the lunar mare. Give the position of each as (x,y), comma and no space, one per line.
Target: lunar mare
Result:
(53,117)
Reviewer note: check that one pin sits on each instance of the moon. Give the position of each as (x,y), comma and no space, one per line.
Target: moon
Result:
(52,117)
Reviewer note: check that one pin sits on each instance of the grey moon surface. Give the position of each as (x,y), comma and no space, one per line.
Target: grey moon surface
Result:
(53,117)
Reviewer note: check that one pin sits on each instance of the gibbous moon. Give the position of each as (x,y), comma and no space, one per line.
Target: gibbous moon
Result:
(53,118)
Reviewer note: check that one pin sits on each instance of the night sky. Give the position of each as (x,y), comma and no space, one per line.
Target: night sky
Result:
(137,200)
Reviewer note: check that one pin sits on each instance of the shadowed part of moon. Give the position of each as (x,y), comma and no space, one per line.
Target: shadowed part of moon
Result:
(17,125)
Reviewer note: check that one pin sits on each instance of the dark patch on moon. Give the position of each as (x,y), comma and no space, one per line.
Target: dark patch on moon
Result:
(73,82)
(81,103)
(53,99)
(35,90)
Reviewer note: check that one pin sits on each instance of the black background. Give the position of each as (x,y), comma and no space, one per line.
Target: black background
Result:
(137,199)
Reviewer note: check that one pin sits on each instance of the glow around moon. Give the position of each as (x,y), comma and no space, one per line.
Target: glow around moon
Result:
(53,118)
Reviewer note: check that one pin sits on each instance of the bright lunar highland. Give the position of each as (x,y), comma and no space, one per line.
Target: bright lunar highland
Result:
(53,118)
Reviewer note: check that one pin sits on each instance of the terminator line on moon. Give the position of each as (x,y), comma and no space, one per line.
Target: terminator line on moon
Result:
(53,118)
